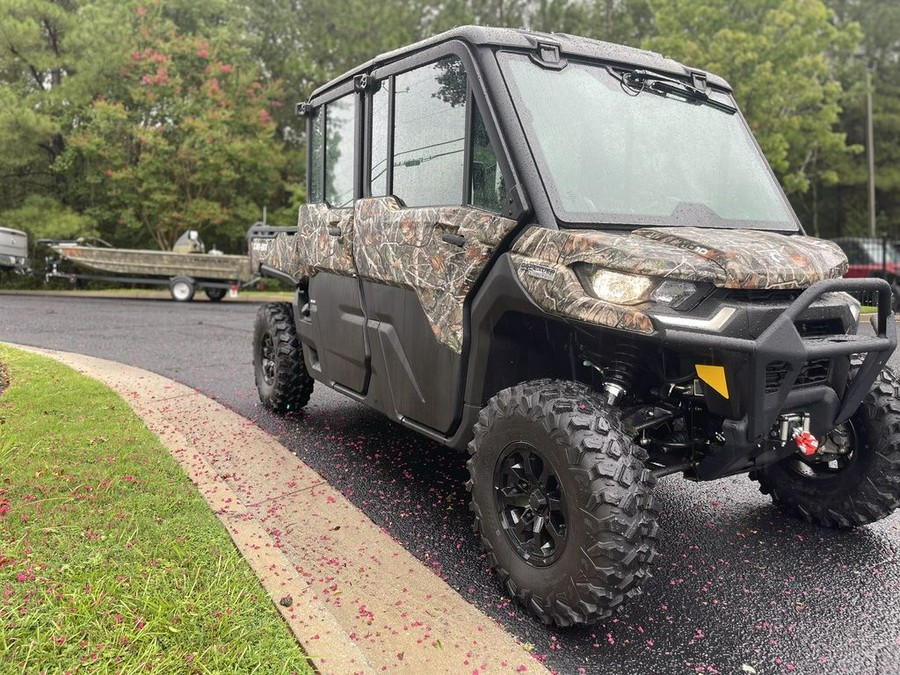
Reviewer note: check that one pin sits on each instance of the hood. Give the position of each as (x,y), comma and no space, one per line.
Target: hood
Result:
(757,259)
(723,257)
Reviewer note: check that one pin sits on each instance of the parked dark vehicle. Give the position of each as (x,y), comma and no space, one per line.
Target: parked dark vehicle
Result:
(869,257)
(571,259)
(14,250)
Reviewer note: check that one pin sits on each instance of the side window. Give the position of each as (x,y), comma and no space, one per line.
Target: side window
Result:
(429,134)
(317,157)
(380,117)
(339,141)
(487,189)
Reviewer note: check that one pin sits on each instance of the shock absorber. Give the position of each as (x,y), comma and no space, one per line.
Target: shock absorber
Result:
(621,371)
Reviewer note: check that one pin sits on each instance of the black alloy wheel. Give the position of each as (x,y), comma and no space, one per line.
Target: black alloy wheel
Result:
(531,504)
(267,355)
(562,500)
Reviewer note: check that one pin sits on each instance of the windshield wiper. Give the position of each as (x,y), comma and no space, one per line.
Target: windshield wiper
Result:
(639,80)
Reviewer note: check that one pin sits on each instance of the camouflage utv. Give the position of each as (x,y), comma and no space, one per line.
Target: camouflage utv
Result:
(571,258)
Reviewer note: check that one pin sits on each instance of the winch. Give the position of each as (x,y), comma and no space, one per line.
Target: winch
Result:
(795,427)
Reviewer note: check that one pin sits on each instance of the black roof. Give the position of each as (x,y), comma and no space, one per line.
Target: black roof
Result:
(569,45)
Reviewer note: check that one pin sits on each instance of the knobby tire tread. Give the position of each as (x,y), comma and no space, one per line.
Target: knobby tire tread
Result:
(858,498)
(616,502)
(293,385)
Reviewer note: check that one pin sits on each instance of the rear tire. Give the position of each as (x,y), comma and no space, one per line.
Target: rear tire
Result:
(182,289)
(562,501)
(860,485)
(280,372)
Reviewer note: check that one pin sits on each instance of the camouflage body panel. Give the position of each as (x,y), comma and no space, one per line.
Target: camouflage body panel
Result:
(312,249)
(280,253)
(557,290)
(404,247)
(725,258)
(757,259)
(745,259)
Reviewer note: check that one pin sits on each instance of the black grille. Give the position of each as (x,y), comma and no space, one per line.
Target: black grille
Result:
(812,373)
(820,327)
(775,374)
(762,295)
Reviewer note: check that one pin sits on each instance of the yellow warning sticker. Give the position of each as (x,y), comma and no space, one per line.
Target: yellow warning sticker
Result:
(714,376)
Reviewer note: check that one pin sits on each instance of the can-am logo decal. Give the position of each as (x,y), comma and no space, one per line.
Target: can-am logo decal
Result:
(539,271)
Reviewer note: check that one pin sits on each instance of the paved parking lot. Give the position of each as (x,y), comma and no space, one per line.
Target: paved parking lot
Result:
(738,586)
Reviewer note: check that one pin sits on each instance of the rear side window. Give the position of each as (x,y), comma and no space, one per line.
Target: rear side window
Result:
(380,120)
(339,145)
(487,187)
(429,134)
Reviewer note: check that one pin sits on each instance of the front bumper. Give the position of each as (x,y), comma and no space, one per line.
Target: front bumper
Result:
(756,397)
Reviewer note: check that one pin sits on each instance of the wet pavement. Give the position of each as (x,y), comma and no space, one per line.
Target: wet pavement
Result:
(739,588)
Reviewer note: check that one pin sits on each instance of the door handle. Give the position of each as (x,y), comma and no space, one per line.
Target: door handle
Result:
(454,239)
(334,231)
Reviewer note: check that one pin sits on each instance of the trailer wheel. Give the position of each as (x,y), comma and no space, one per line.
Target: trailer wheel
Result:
(280,372)
(182,289)
(562,500)
(215,294)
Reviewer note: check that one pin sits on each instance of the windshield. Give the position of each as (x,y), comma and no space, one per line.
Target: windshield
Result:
(616,151)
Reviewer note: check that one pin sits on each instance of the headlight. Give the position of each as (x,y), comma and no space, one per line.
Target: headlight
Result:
(618,288)
(672,291)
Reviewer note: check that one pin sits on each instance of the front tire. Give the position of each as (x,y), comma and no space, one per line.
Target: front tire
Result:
(856,484)
(562,501)
(281,377)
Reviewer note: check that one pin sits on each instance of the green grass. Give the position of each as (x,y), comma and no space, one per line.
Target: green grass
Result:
(110,560)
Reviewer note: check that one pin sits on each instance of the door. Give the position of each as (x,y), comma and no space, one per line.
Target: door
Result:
(425,237)
(332,326)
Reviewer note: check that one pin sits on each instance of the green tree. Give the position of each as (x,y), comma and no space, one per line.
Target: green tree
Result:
(135,119)
(506,13)
(842,208)
(306,43)
(54,61)
(620,21)
(779,56)
(189,143)
(44,217)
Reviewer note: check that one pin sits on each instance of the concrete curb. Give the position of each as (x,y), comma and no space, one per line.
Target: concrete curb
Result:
(355,599)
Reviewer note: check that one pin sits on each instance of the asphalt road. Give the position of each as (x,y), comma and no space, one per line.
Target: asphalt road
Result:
(738,585)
